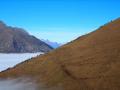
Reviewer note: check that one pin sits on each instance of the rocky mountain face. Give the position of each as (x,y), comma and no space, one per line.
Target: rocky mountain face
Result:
(17,40)
(91,62)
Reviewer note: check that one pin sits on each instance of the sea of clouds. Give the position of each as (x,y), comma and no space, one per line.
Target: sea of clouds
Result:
(9,60)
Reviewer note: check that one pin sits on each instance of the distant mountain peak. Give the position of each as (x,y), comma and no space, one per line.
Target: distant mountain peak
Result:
(51,43)
(1,22)
(2,25)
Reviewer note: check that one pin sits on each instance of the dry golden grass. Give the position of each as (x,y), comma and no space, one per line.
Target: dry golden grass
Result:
(91,62)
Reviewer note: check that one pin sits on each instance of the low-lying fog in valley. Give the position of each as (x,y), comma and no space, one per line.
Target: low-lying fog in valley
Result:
(16,85)
(23,84)
(9,60)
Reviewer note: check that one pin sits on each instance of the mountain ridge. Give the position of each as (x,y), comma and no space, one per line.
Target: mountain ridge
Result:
(17,40)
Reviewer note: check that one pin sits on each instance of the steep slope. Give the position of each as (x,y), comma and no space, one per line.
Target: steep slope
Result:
(91,62)
(17,40)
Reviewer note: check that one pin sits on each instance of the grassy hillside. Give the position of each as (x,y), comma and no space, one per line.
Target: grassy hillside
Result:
(91,62)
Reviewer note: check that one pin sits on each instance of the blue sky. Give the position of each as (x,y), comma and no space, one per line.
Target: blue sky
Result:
(58,20)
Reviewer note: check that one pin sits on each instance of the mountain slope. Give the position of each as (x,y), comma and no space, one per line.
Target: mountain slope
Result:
(91,62)
(17,40)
